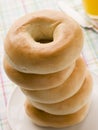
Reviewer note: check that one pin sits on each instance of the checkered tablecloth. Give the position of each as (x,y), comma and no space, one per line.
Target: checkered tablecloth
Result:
(10,10)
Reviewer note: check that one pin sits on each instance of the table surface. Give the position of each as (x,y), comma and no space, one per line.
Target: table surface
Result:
(10,10)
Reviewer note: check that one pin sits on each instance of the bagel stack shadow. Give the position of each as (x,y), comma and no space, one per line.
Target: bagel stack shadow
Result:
(42,56)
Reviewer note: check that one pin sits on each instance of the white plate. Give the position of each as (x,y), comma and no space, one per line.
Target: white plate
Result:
(18,120)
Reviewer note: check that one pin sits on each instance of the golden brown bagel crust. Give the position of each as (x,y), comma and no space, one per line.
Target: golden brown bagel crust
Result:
(37,81)
(42,118)
(25,51)
(72,104)
(63,91)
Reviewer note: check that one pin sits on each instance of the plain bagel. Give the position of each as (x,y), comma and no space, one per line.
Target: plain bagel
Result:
(63,91)
(37,81)
(42,118)
(43,42)
(72,104)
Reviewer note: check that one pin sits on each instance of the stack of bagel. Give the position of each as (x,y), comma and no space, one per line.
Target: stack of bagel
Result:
(42,56)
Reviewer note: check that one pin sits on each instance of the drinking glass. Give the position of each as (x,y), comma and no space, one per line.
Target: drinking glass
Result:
(91,8)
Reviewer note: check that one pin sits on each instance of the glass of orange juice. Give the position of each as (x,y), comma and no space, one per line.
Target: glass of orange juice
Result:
(91,8)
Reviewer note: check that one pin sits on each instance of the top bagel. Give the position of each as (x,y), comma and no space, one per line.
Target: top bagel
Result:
(43,42)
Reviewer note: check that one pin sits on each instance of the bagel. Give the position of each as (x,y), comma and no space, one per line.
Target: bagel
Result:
(43,42)
(62,92)
(37,81)
(44,119)
(70,105)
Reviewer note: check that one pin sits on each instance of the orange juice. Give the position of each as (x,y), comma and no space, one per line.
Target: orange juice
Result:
(91,7)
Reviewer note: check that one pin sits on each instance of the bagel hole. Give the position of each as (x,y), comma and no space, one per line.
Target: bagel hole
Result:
(42,29)
(44,41)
